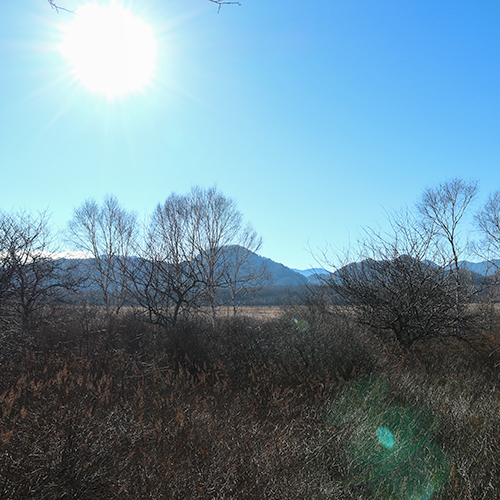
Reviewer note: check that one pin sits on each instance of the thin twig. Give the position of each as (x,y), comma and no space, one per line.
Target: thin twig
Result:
(220,3)
(57,8)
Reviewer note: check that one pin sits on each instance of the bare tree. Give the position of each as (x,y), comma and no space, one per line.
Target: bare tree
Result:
(244,275)
(196,247)
(166,279)
(217,224)
(218,231)
(394,287)
(409,281)
(9,242)
(443,210)
(31,278)
(488,222)
(107,234)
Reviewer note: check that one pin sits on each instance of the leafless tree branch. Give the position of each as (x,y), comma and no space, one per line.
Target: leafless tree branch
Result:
(57,8)
(219,3)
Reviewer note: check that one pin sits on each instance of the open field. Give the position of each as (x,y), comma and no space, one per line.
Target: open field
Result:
(256,312)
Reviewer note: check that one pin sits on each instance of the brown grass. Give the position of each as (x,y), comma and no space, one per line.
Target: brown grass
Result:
(132,430)
(236,413)
(260,313)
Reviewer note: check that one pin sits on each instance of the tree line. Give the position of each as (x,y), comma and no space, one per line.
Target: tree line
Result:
(194,253)
(191,249)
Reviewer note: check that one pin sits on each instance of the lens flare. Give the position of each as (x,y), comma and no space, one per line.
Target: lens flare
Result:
(390,447)
(385,437)
(301,324)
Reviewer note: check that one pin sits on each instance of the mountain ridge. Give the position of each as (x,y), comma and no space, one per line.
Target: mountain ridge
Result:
(284,276)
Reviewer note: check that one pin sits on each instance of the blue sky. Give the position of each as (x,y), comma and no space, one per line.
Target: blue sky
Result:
(314,116)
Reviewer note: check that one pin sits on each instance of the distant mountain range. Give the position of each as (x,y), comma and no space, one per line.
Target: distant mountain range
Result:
(484,268)
(286,276)
(280,274)
(283,276)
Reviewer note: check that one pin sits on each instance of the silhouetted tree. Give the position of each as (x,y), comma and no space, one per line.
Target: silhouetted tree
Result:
(195,247)
(443,210)
(244,275)
(219,228)
(405,283)
(488,222)
(166,280)
(31,279)
(393,288)
(107,233)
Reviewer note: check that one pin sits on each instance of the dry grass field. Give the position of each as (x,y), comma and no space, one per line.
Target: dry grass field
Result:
(260,313)
(264,407)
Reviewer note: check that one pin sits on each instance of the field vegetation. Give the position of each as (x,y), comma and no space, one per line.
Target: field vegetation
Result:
(239,412)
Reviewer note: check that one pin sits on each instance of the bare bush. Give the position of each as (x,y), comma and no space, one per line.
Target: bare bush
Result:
(407,283)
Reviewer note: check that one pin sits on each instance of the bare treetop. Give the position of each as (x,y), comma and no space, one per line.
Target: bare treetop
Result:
(445,205)
(488,222)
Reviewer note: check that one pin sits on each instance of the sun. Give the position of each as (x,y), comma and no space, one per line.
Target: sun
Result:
(110,51)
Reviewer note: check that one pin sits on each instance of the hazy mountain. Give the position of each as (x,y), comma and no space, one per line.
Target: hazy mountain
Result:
(484,268)
(286,276)
(313,274)
(283,276)
(478,270)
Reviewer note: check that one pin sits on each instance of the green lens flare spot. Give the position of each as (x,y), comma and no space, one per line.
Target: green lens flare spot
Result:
(358,399)
(301,324)
(389,447)
(385,437)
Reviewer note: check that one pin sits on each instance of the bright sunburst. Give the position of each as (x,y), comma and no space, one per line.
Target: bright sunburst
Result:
(110,51)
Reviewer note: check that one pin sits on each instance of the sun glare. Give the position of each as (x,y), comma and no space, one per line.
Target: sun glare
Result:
(109,50)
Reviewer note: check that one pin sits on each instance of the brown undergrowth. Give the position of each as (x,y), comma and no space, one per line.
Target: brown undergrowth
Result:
(237,413)
(130,429)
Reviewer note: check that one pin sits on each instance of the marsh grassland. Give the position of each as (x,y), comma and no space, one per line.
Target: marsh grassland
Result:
(279,404)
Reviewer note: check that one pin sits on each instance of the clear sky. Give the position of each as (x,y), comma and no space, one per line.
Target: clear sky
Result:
(314,116)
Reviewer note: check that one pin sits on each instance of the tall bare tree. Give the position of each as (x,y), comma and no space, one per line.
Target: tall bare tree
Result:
(217,224)
(488,222)
(443,210)
(196,247)
(107,234)
(166,278)
(244,276)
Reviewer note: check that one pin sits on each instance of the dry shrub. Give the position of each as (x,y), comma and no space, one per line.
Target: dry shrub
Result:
(330,340)
(127,429)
